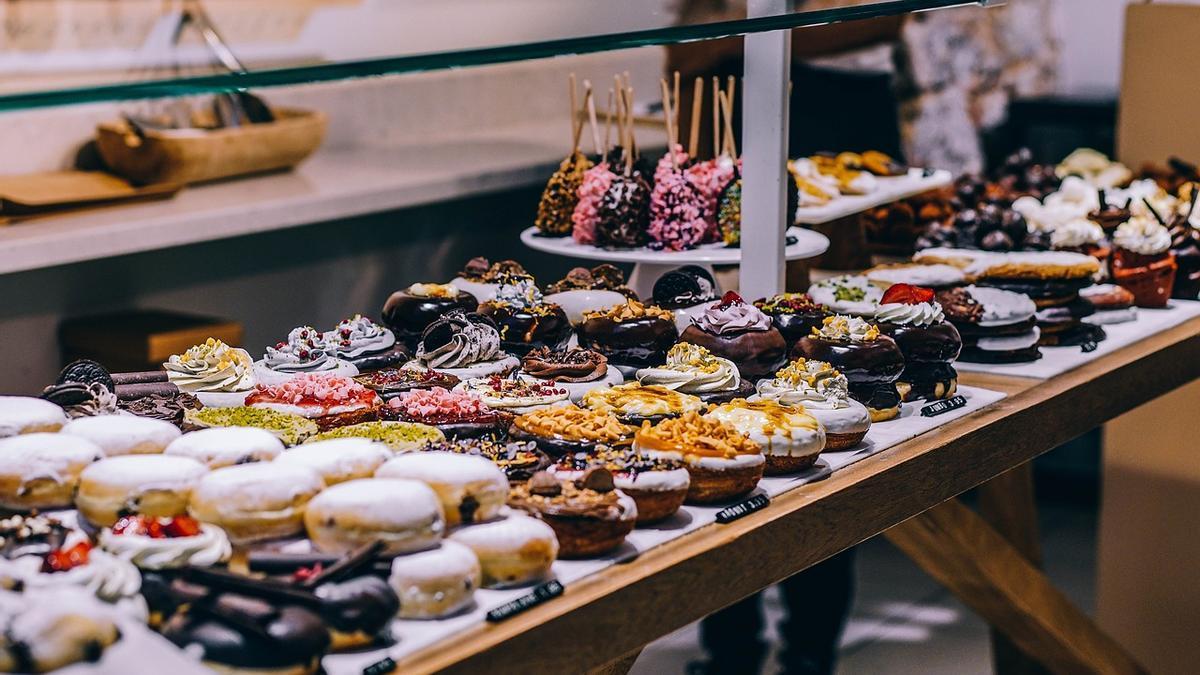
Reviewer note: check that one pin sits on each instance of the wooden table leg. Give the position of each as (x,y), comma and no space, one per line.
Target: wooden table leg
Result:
(1007,503)
(960,550)
(620,666)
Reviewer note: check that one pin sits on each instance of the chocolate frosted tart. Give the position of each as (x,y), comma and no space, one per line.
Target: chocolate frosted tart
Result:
(795,315)
(871,361)
(631,335)
(524,319)
(740,332)
(589,515)
(410,311)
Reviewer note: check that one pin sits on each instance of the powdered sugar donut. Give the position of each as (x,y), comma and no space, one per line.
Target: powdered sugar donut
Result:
(226,446)
(472,489)
(437,583)
(339,459)
(513,551)
(404,514)
(26,414)
(154,485)
(255,502)
(124,434)
(41,471)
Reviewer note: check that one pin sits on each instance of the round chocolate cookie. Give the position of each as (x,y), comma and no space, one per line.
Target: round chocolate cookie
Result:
(757,353)
(684,287)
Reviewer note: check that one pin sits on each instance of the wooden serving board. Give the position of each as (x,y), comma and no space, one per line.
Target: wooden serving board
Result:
(30,195)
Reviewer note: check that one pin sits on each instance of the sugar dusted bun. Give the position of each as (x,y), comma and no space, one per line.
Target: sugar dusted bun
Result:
(256,502)
(472,489)
(153,485)
(513,551)
(41,471)
(26,415)
(405,514)
(436,583)
(226,446)
(339,459)
(124,434)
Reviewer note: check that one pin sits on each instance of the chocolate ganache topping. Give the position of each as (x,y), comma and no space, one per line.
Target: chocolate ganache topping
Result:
(169,407)
(959,307)
(575,364)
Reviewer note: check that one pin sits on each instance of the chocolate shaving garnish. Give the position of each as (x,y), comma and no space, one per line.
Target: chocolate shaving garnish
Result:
(544,484)
(597,478)
(260,588)
(360,557)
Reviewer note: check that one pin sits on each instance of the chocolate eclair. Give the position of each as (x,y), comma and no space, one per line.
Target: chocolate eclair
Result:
(409,312)
(794,314)
(525,319)
(631,335)
(911,316)
(871,361)
(740,332)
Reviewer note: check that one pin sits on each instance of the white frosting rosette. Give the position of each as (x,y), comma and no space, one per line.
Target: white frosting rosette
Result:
(1144,236)
(821,390)
(1076,233)
(219,375)
(358,336)
(306,350)
(692,369)
(208,548)
(106,576)
(918,314)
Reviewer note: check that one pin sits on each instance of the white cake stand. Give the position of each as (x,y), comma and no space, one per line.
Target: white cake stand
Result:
(650,265)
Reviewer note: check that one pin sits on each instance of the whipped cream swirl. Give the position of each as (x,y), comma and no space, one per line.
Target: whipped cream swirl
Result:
(692,369)
(211,366)
(520,292)
(919,314)
(1142,235)
(470,342)
(206,549)
(813,384)
(357,336)
(1076,233)
(305,351)
(847,328)
(108,577)
(733,317)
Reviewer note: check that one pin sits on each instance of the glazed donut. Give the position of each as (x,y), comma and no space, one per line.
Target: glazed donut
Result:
(27,415)
(41,471)
(339,459)
(514,551)
(124,434)
(152,485)
(404,514)
(226,446)
(436,583)
(472,489)
(256,502)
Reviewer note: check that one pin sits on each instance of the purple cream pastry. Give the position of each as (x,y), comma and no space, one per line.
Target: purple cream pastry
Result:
(738,331)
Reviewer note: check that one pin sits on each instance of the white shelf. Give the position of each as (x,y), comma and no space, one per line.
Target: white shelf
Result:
(808,244)
(889,190)
(333,184)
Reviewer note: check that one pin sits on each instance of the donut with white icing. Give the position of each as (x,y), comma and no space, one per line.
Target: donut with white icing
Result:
(472,489)
(124,434)
(405,515)
(436,583)
(256,502)
(513,551)
(26,415)
(154,485)
(48,629)
(339,459)
(41,470)
(225,446)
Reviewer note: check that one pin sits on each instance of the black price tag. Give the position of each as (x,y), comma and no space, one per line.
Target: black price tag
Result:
(380,667)
(755,503)
(939,407)
(547,591)
(1089,346)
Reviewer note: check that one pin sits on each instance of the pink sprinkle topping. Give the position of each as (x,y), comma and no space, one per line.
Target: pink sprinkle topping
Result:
(710,177)
(677,213)
(313,387)
(596,181)
(439,404)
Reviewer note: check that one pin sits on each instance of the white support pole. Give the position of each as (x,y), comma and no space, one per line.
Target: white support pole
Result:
(764,98)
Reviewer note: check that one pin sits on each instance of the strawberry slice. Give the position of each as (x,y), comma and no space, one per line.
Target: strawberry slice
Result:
(730,298)
(65,559)
(907,294)
(182,526)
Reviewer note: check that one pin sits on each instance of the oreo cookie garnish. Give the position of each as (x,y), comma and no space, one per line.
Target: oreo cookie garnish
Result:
(86,371)
(686,286)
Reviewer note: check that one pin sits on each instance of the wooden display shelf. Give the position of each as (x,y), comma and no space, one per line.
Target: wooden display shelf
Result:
(600,621)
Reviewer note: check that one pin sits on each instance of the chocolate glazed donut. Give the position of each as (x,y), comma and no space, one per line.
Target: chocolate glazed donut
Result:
(408,315)
(757,353)
(871,368)
(522,330)
(794,326)
(639,343)
(939,342)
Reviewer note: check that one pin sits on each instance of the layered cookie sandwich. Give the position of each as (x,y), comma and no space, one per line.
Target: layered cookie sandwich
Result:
(996,326)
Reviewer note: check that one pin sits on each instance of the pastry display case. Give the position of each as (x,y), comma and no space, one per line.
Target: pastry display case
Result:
(499,467)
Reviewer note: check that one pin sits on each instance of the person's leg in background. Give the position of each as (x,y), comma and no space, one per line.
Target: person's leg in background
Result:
(733,639)
(818,602)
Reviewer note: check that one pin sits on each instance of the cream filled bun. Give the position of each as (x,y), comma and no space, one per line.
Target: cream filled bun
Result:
(152,485)
(435,583)
(46,629)
(124,434)
(41,471)
(256,502)
(226,446)
(26,415)
(472,489)
(512,551)
(339,459)
(404,514)
(790,438)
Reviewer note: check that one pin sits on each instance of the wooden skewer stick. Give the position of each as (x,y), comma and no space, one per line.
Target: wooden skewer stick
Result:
(670,129)
(694,129)
(675,109)
(730,88)
(590,103)
(629,120)
(608,122)
(574,116)
(727,112)
(718,146)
